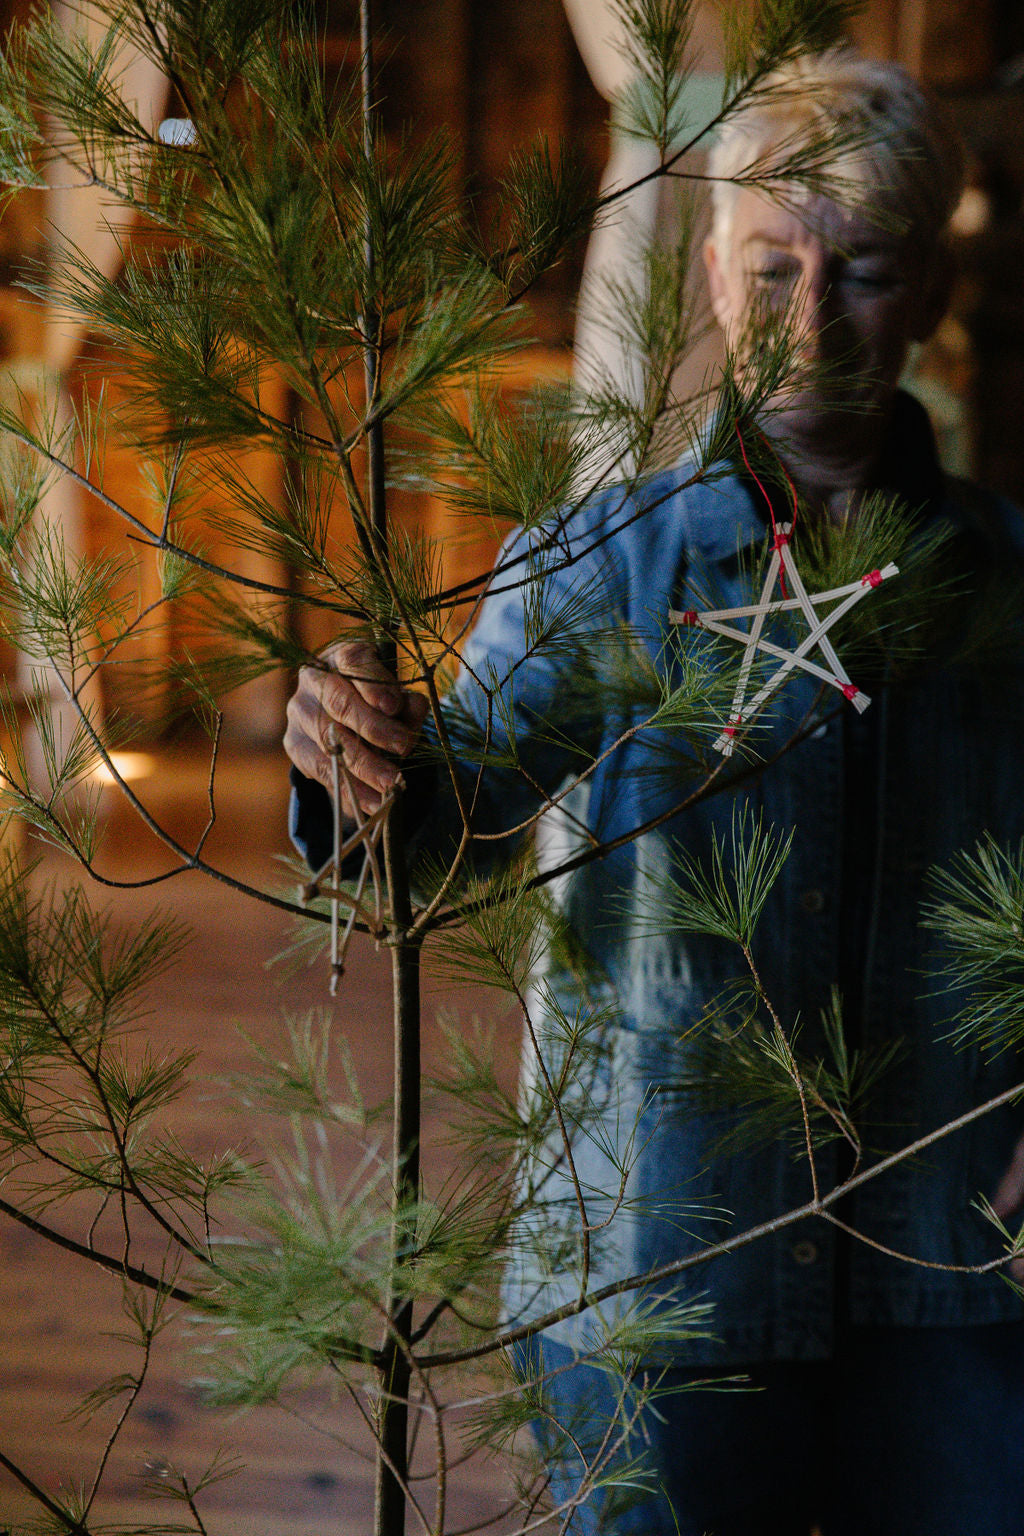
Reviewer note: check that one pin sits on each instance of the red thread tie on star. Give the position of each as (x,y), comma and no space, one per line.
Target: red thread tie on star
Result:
(829,670)
(722,622)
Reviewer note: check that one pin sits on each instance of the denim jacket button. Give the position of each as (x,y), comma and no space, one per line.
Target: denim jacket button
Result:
(813,901)
(805,1252)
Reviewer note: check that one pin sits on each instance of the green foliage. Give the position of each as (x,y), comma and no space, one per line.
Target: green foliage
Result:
(58,604)
(978,912)
(294,285)
(549,205)
(508,463)
(305,1274)
(724,900)
(907,619)
(80,1101)
(23,480)
(657,48)
(653,311)
(303,1082)
(774,1089)
(780,30)
(20,135)
(504,924)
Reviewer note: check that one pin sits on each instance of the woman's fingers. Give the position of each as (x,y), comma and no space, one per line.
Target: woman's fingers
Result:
(359,664)
(359,708)
(339,702)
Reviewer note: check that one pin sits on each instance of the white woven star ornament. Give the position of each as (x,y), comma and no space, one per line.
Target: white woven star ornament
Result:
(829,669)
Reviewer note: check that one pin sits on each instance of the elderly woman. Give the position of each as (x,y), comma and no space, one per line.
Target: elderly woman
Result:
(893,1401)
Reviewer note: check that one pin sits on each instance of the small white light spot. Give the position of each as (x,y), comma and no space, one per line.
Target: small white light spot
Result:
(179,131)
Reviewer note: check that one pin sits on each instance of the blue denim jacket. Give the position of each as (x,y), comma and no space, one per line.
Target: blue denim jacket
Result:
(944,754)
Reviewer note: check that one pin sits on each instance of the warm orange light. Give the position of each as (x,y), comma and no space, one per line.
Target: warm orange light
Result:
(129,765)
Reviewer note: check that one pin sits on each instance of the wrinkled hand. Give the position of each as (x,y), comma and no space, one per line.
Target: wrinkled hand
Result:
(1008,1201)
(359,705)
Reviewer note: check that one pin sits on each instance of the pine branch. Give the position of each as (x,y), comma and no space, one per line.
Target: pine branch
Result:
(506,1337)
(86,1251)
(57,1512)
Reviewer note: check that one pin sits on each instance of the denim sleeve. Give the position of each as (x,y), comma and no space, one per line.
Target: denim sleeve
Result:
(311,814)
(310,819)
(517,718)
(526,709)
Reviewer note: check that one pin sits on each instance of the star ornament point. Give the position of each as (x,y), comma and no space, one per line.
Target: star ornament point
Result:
(782,569)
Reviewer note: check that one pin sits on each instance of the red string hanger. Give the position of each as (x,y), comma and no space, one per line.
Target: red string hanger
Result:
(779,540)
(782,565)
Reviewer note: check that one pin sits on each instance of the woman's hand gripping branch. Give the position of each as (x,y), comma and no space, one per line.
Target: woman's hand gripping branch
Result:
(353,703)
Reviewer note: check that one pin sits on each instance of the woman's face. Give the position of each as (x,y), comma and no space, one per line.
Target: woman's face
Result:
(853,295)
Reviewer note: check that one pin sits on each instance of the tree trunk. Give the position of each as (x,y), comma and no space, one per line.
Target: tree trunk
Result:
(395,1373)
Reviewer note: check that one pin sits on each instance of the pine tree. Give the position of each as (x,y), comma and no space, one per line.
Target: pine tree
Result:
(285,239)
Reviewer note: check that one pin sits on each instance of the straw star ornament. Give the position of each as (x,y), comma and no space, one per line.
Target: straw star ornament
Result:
(782,568)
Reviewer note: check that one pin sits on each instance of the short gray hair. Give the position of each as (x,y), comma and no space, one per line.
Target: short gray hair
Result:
(903,157)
